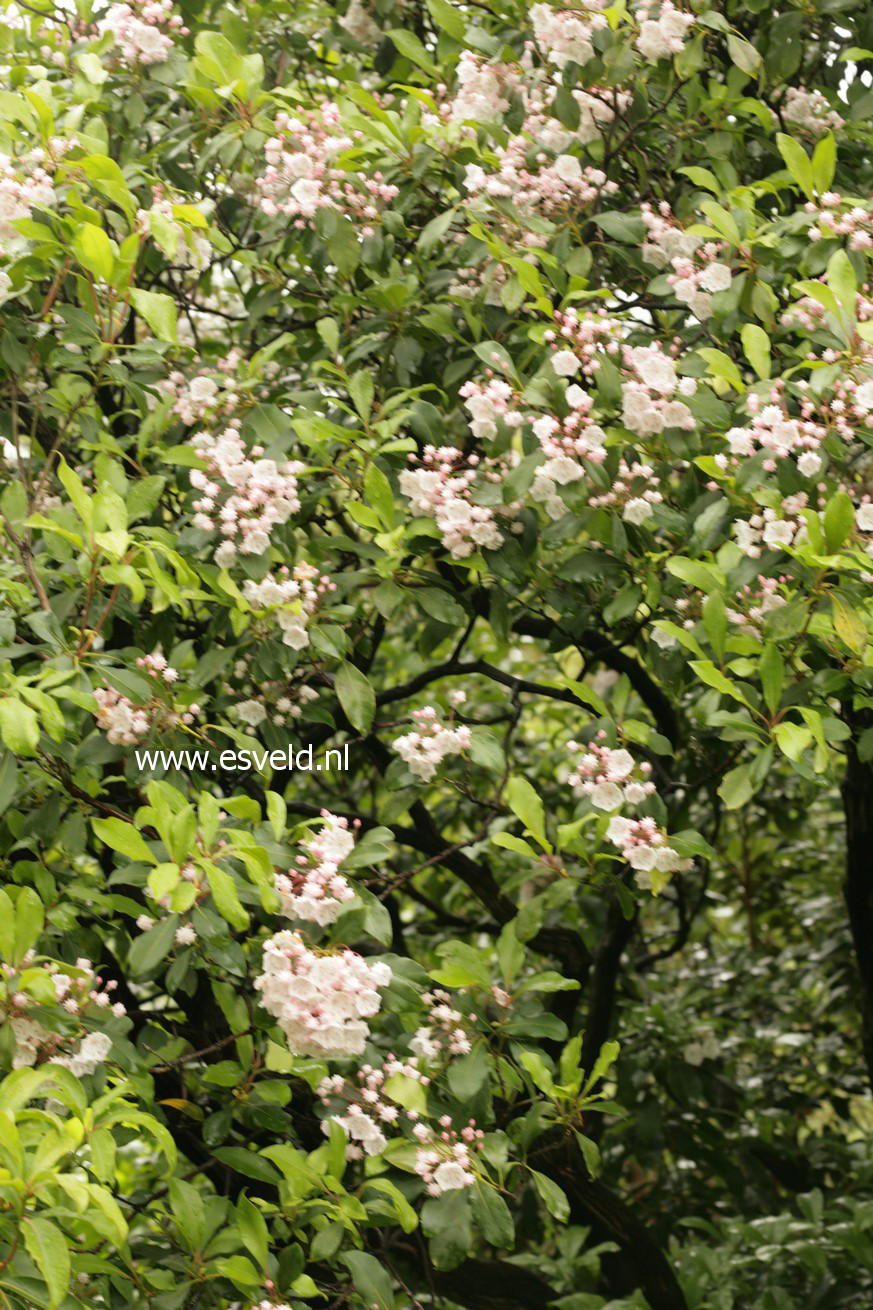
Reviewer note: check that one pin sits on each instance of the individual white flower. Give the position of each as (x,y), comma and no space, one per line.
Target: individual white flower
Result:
(251,712)
(779,533)
(809,463)
(863,397)
(450,1175)
(716,277)
(568,168)
(637,510)
(864,517)
(606,796)
(565,363)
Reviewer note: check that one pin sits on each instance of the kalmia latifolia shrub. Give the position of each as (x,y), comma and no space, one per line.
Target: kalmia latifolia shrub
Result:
(436,655)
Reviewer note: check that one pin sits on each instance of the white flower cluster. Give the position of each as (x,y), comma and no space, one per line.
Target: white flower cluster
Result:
(293,597)
(143,31)
(649,401)
(774,430)
(606,776)
(126,723)
(359,23)
(647,849)
(697,271)
(424,749)
(443,1034)
(810,111)
(76,994)
(368,1113)
(703,1048)
(321,1002)
(663,30)
(483,90)
(443,1161)
(315,890)
(564,35)
(441,488)
(244,496)
(767,531)
(25,184)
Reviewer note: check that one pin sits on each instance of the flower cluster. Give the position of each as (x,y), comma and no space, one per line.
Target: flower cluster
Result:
(647,849)
(809,314)
(302,174)
(757,603)
(810,111)
(204,394)
(359,23)
(632,491)
(583,338)
(366,1111)
(773,429)
(320,1001)
(697,272)
(767,531)
(292,597)
(143,30)
(547,186)
(315,890)
(25,185)
(443,1036)
(126,723)
(649,402)
(244,495)
(424,749)
(185,246)
(706,1047)
(443,1161)
(77,994)
(483,90)
(663,30)
(564,35)
(565,442)
(442,488)
(609,777)
(836,217)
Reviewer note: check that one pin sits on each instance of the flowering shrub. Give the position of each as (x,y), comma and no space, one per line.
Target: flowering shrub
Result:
(478,399)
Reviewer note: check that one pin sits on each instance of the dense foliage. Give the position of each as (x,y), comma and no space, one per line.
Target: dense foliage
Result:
(476,399)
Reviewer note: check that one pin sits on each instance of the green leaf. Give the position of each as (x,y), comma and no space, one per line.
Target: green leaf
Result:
(736,787)
(151,948)
(839,520)
(842,282)
(187,1206)
(713,677)
(371,1280)
(744,55)
(378,491)
(526,803)
(848,625)
(756,345)
(824,163)
(792,739)
(492,1217)
(771,670)
(158,310)
(29,921)
(124,838)
(362,391)
(226,897)
(797,162)
(19,726)
(48,1249)
(553,1196)
(356,696)
(408,45)
(253,1231)
(448,19)
(93,249)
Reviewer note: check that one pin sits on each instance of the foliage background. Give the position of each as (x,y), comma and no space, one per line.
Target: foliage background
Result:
(652,535)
